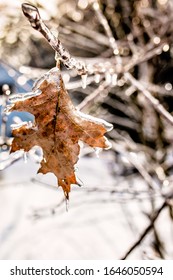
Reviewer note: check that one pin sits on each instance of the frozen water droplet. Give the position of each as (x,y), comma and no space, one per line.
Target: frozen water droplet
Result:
(84,80)
(97,78)
(57,56)
(97,151)
(76,169)
(36,154)
(108,144)
(81,144)
(79,182)
(25,157)
(108,78)
(108,126)
(7,109)
(67,204)
(29,124)
(114,79)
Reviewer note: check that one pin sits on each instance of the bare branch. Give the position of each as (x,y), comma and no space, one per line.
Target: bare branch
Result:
(145,232)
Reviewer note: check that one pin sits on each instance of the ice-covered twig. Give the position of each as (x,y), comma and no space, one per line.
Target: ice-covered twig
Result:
(33,15)
(144,55)
(89,99)
(146,231)
(155,102)
(107,29)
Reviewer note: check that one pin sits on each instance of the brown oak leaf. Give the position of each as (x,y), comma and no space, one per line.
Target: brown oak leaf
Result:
(57,128)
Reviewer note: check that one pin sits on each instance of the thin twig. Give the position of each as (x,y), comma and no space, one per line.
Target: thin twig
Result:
(89,99)
(146,231)
(133,159)
(143,56)
(107,29)
(155,102)
(33,15)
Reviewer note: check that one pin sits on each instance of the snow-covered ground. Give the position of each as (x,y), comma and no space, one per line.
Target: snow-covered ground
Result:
(100,222)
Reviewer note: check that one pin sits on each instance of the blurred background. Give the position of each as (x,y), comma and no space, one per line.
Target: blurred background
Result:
(124,208)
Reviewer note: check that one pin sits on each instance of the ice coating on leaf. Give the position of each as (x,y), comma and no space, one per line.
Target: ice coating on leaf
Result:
(21,97)
(8,108)
(19,125)
(79,182)
(107,144)
(57,129)
(22,124)
(39,81)
(51,75)
(108,126)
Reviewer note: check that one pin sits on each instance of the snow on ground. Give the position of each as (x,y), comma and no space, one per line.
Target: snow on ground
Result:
(96,226)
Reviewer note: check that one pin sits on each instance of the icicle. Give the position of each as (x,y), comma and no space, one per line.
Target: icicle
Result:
(108,144)
(84,80)
(29,124)
(57,57)
(67,204)
(81,144)
(114,80)
(108,78)
(36,154)
(97,151)
(79,182)
(97,78)
(25,157)
(76,168)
